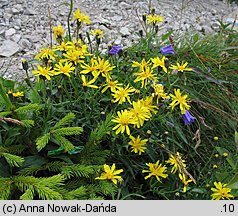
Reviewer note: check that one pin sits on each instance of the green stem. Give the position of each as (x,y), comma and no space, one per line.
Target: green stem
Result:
(68,20)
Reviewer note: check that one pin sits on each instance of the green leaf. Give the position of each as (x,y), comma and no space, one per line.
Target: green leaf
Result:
(13,160)
(63,142)
(195,38)
(79,194)
(66,120)
(68,131)
(5,188)
(5,97)
(166,36)
(41,142)
(28,123)
(236,140)
(28,108)
(28,195)
(34,161)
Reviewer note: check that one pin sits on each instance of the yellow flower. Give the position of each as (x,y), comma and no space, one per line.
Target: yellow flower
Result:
(144,76)
(104,67)
(45,53)
(58,31)
(140,112)
(16,94)
(110,173)
(155,19)
(88,83)
(221,191)
(177,162)
(90,68)
(159,92)
(64,69)
(180,100)
(47,72)
(214,166)
(142,65)
(148,102)
(113,85)
(156,170)
(81,17)
(181,67)
(73,56)
(216,155)
(185,182)
(63,46)
(97,33)
(122,94)
(157,62)
(225,154)
(137,144)
(215,138)
(124,118)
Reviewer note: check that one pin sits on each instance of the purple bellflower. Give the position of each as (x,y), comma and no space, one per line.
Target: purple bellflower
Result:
(188,118)
(167,49)
(115,50)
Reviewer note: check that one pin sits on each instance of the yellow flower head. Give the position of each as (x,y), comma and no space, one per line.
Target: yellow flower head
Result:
(63,46)
(45,53)
(112,85)
(156,170)
(110,173)
(215,138)
(81,17)
(225,154)
(123,119)
(16,94)
(98,33)
(155,19)
(88,83)
(137,144)
(104,67)
(46,72)
(122,94)
(140,112)
(221,191)
(58,31)
(180,100)
(148,102)
(142,65)
(144,76)
(64,68)
(182,67)
(177,162)
(159,92)
(185,182)
(157,62)
(73,56)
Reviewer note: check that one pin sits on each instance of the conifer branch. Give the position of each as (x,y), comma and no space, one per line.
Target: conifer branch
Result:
(66,120)
(41,142)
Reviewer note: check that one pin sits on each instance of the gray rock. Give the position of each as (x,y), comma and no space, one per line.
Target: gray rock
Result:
(124,31)
(117,41)
(15,11)
(4,3)
(16,38)
(9,32)
(24,43)
(30,12)
(9,48)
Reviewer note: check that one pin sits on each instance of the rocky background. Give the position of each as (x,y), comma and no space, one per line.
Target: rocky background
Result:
(24,24)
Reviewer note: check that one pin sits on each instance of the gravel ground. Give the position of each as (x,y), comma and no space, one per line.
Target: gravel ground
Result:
(24,24)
